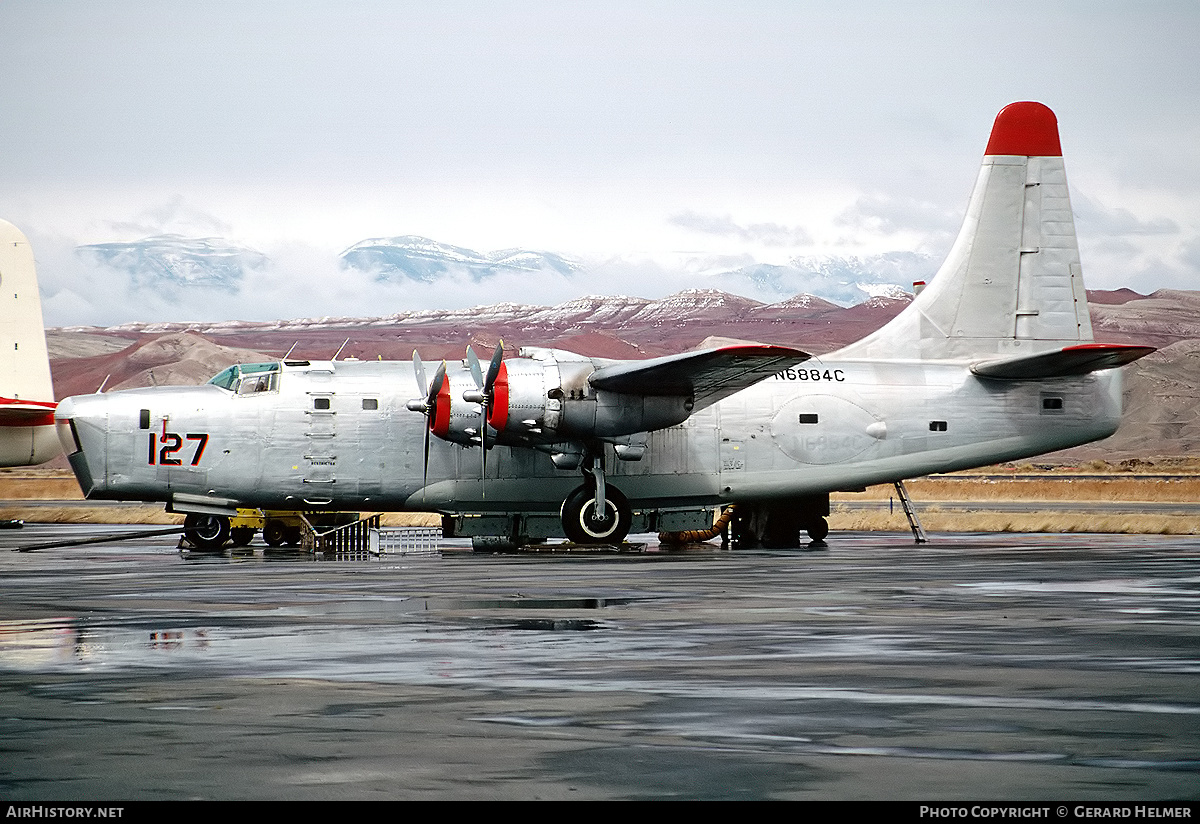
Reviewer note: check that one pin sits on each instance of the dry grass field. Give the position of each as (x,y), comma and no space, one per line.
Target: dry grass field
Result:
(946,503)
(935,518)
(960,502)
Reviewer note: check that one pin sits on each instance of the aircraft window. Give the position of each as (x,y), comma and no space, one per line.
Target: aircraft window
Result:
(937,426)
(320,403)
(144,419)
(808,417)
(248,378)
(261,382)
(370,403)
(226,379)
(1052,404)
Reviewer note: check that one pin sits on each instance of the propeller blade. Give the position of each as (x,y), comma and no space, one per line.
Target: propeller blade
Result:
(419,369)
(483,456)
(473,364)
(494,368)
(436,387)
(425,468)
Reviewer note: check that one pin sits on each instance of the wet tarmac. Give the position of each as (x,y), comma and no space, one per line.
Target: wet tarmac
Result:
(1015,667)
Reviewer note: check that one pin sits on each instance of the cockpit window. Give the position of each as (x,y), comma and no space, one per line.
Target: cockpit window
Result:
(226,379)
(249,378)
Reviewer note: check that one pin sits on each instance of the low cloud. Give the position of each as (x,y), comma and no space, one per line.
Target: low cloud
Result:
(767,234)
(175,217)
(1093,217)
(883,215)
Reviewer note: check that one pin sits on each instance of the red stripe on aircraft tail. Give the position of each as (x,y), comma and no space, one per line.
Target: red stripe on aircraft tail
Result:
(16,412)
(40,420)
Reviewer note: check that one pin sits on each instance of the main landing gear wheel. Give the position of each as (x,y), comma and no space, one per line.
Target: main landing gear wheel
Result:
(818,530)
(583,527)
(206,532)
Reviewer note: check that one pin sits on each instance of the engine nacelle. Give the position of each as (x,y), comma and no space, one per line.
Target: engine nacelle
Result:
(548,397)
(451,418)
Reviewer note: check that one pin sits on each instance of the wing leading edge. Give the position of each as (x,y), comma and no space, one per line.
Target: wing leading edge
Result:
(707,376)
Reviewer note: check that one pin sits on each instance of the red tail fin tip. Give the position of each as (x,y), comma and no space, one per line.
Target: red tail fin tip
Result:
(1026,128)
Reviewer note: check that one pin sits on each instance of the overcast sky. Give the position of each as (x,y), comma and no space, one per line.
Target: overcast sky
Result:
(663,132)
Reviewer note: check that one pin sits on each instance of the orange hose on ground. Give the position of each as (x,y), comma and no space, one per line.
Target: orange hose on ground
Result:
(693,536)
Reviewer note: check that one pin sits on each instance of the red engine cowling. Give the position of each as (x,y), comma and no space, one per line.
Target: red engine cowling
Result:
(547,399)
(451,418)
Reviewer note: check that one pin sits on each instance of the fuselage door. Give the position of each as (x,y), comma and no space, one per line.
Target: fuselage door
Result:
(321,455)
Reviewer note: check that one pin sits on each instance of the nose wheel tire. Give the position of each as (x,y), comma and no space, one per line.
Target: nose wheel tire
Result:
(581,525)
(206,532)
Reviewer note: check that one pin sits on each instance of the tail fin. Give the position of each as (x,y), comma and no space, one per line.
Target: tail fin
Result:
(24,362)
(1012,284)
(27,435)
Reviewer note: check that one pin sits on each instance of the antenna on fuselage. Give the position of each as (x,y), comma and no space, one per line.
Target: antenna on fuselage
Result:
(340,348)
(288,354)
(100,388)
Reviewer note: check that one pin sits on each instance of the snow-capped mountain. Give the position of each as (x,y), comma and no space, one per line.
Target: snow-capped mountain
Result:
(617,313)
(174,259)
(425,260)
(216,263)
(842,280)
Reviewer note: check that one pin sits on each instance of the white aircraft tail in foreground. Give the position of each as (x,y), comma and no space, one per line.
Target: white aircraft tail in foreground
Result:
(26,393)
(993,361)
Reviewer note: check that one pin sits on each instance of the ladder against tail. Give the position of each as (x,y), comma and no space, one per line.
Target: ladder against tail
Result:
(1010,296)
(27,405)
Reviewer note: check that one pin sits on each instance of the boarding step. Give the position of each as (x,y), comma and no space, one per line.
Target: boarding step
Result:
(407,541)
(351,537)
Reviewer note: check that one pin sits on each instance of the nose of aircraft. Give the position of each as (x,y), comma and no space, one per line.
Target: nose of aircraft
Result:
(82,424)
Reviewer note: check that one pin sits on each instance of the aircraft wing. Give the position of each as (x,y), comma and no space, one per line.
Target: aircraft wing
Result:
(707,376)
(1062,363)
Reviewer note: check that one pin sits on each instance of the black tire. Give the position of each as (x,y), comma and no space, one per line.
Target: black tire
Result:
(242,535)
(207,532)
(818,530)
(580,524)
(292,536)
(274,533)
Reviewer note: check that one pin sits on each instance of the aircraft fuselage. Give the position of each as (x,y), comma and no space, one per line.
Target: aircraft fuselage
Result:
(338,434)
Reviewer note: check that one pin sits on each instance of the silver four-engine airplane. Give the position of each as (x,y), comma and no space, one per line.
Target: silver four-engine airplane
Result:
(993,361)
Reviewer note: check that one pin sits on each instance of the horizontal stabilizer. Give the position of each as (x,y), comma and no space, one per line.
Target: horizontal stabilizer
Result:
(1062,363)
(26,413)
(706,376)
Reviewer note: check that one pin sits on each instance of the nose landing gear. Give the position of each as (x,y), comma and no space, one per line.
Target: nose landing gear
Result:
(206,532)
